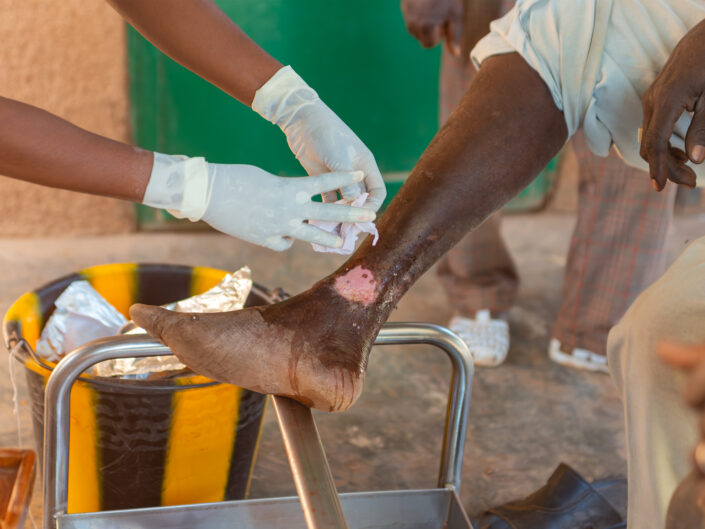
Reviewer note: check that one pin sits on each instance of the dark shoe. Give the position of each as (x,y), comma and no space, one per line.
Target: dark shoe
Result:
(567,501)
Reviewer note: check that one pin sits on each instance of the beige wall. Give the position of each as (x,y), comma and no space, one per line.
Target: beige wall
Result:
(67,57)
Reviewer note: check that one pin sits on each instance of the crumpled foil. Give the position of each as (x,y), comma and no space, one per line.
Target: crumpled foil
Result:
(230,294)
(81,315)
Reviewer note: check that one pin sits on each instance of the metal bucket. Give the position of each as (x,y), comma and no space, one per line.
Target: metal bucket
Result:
(137,443)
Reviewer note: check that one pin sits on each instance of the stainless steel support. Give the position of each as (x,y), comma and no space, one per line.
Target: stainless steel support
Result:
(57,409)
(309,466)
(304,448)
(460,389)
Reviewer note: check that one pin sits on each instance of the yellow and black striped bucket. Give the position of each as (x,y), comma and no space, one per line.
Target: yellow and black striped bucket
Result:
(138,443)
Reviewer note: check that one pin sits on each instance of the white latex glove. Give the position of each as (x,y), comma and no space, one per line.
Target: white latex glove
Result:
(317,136)
(246,202)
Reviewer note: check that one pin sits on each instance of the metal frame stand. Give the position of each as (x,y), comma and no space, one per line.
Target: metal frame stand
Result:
(323,508)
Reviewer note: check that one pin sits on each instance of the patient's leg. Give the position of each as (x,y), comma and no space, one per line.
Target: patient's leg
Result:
(314,346)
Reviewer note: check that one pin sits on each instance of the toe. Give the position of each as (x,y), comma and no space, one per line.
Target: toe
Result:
(152,319)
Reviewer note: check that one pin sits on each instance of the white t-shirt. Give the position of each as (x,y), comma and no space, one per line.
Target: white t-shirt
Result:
(597,58)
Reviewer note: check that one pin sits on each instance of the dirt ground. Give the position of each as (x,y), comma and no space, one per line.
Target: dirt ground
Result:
(526,416)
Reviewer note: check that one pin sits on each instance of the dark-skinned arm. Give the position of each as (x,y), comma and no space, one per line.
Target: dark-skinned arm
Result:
(198,35)
(39,147)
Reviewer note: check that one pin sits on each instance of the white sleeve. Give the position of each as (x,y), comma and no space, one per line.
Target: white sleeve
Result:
(562,40)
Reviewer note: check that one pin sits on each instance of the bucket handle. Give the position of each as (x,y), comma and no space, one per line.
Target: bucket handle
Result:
(15,343)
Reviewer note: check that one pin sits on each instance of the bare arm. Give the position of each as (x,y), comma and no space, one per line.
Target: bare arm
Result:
(198,35)
(39,147)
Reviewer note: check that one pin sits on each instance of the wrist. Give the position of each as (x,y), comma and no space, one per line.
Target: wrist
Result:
(179,184)
(282,96)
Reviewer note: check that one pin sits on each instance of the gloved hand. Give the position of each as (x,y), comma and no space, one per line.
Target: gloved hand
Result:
(317,136)
(246,202)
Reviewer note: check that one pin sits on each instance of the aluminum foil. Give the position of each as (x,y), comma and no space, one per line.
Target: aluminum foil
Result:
(81,315)
(230,294)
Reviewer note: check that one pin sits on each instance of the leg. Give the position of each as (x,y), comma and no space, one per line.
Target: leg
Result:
(616,250)
(314,346)
(661,429)
(478,272)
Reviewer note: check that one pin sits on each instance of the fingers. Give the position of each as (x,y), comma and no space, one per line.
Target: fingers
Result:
(647,107)
(671,166)
(454,35)
(330,196)
(278,244)
(313,166)
(428,34)
(338,213)
(374,185)
(306,232)
(695,137)
(683,174)
(353,191)
(329,182)
(376,198)
(660,116)
(679,355)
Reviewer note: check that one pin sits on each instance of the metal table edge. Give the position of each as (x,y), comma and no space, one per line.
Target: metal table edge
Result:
(255,501)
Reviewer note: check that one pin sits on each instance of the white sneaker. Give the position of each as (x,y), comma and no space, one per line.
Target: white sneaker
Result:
(487,339)
(580,358)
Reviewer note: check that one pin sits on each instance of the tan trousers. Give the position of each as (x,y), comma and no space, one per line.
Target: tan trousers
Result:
(615,252)
(661,431)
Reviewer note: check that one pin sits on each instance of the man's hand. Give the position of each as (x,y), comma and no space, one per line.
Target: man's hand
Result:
(429,21)
(680,86)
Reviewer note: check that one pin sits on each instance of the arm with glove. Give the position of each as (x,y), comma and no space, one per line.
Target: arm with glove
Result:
(240,200)
(197,34)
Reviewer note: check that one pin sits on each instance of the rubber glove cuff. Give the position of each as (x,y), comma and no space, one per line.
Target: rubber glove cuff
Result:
(279,99)
(179,184)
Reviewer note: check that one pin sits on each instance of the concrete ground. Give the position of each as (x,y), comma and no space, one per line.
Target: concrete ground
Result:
(526,416)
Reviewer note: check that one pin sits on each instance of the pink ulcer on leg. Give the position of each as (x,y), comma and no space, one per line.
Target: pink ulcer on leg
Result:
(357,285)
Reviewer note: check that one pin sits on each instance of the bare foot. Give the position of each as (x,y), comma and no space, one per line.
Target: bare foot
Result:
(312,347)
